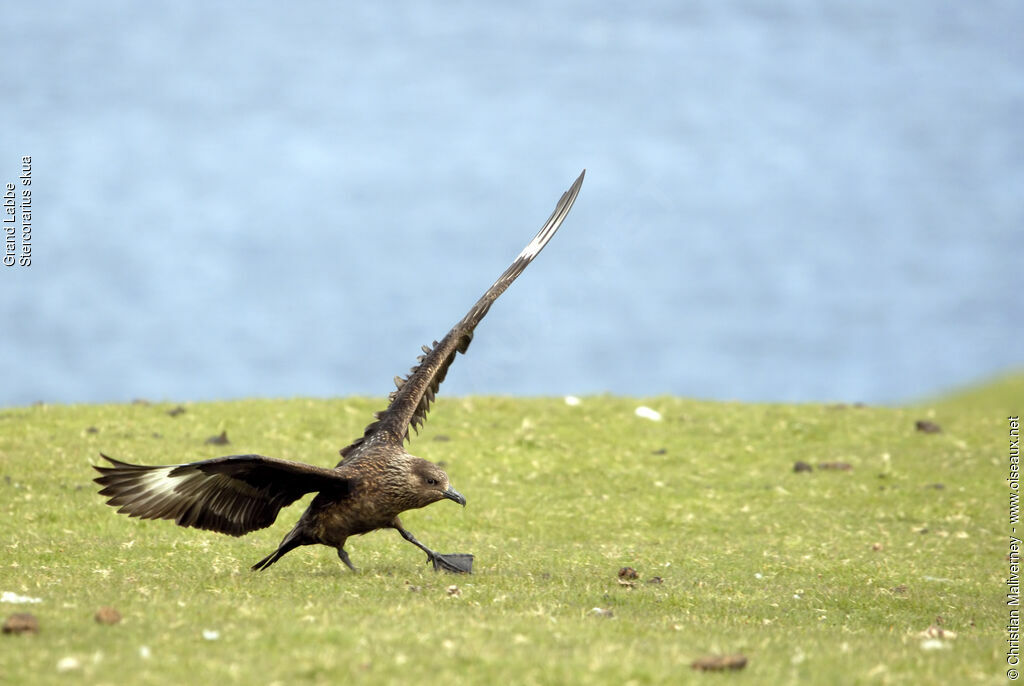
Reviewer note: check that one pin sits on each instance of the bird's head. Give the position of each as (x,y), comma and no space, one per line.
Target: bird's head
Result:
(430,483)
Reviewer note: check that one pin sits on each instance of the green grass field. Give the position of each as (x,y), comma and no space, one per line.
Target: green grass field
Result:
(822,577)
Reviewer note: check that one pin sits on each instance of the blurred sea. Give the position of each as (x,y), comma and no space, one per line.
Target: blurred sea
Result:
(794,201)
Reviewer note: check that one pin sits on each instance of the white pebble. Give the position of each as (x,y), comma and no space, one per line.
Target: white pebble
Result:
(572,401)
(210,634)
(9,597)
(647,413)
(66,664)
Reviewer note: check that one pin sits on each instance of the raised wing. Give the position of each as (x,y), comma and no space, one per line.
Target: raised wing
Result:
(233,495)
(411,399)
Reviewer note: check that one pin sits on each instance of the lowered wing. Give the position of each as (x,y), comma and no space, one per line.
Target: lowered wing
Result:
(233,495)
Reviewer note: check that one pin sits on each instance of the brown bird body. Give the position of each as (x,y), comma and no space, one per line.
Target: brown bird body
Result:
(373,484)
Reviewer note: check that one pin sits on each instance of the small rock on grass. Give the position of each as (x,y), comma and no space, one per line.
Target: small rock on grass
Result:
(801,466)
(645,412)
(68,664)
(719,663)
(16,598)
(107,615)
(927,427)
(21,623)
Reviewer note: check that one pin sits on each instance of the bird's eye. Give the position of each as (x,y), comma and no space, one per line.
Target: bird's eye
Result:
(432,482)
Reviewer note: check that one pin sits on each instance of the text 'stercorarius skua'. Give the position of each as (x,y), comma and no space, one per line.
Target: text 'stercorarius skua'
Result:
(373,484)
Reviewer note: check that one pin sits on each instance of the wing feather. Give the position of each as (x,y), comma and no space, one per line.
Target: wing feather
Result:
(233,495)
(409,403)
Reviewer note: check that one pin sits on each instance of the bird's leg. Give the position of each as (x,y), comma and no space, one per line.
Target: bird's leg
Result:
(457,563)
(344,558)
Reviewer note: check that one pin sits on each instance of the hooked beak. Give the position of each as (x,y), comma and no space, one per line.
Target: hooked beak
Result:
(452,494)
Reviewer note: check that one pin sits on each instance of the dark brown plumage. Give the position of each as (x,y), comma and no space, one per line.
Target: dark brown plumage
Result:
(373,484)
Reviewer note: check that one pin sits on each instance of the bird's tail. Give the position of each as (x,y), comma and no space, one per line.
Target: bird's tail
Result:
(291,541)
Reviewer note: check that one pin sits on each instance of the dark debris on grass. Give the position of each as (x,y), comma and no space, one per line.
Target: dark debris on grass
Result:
(719,663)
(628,574)
(220,439)
(21,623)
(107,615)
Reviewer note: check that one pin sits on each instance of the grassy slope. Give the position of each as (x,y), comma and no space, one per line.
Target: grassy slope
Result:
(755,558)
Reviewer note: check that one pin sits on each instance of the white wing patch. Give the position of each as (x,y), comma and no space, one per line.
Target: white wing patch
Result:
(553,222)
(158,481)
(534,246)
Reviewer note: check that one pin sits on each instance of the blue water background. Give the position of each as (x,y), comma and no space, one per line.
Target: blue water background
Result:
(793,201)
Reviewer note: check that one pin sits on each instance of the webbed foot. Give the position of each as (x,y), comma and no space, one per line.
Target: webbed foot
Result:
(455,563)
